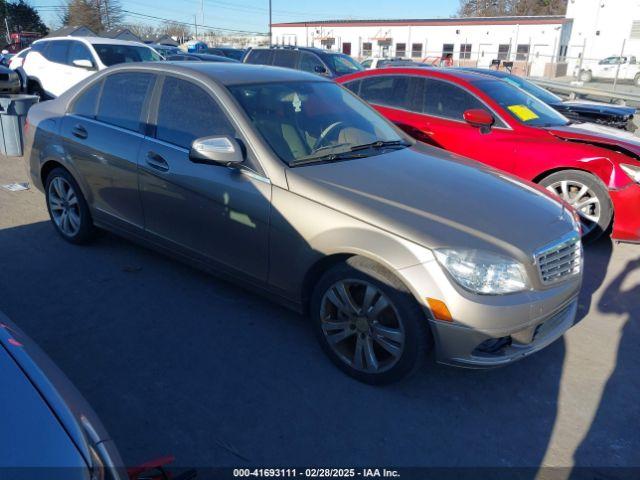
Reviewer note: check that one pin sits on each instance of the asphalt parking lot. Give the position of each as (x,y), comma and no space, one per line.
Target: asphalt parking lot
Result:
(175,361)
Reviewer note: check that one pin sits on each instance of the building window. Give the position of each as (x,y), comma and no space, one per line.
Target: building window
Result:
(465,51)
(447,49)
(401,49)
(635,30)
(523,53)
(366,49)
(416,50)
(503,51)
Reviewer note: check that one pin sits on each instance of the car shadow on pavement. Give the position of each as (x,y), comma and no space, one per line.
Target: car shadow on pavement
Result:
(612,445)
(175,361)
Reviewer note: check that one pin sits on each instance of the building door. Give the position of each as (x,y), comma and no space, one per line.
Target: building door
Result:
(346,48)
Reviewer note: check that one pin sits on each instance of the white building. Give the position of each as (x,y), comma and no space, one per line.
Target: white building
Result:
(530,42)
(602,28)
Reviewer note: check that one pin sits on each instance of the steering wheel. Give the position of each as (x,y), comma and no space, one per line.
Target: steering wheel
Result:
(324,136)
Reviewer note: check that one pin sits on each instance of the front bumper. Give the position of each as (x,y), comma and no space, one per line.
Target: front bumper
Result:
(626,205)
(463,347)
(490,331)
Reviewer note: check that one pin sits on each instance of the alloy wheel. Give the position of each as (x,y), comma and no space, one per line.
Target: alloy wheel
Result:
(64,206)
(582,198)
(361,325)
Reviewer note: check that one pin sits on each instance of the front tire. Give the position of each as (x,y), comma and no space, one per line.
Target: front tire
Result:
(588,195)
(68,208)
(368,323)
(585,76)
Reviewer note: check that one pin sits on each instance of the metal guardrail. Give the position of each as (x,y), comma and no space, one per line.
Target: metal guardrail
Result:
(576,91)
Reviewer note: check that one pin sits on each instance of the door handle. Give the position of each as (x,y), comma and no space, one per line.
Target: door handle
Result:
(80,132)
(156,162)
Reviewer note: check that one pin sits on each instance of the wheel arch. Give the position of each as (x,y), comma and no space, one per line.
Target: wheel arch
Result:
(51,164)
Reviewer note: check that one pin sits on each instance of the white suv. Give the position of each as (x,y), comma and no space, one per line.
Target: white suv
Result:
(53,65)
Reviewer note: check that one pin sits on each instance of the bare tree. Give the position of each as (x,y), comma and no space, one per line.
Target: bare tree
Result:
(143,30)
(498,8)
(98,15)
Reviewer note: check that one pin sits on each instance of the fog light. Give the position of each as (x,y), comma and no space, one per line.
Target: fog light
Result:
(439,310)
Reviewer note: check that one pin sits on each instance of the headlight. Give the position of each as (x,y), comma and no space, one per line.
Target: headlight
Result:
(632,171)
(483,272)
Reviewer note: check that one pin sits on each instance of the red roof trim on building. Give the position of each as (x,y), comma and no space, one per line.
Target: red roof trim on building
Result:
(550,20)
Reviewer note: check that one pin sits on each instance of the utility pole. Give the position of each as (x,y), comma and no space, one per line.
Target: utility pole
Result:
(270,34)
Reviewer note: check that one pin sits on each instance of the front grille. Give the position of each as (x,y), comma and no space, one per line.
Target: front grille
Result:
(4,77)
(560,259)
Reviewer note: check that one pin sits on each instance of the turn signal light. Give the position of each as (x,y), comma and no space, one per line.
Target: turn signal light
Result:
(439,310)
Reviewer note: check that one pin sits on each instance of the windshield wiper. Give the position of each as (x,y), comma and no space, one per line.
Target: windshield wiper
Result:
(331,157)
(381,144)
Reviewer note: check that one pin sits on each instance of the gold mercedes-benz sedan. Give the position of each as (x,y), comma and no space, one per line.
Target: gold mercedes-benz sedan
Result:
(287,182)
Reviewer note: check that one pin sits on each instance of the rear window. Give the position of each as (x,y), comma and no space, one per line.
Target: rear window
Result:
(114,54)
(260,57)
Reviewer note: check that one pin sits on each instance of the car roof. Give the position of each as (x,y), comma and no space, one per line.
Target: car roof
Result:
(462,75)
(227,73)
(94,40)
(487,71)
(320,51)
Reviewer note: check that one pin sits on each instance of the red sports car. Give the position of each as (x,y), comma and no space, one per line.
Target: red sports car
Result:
(596,169)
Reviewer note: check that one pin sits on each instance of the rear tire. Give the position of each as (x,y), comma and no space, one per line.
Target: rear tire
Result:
(68,208)
(368,323)
(588,195)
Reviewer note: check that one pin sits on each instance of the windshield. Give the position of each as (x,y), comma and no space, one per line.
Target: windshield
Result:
(521,105)
(542,94)
(114,54)
(307,120)
(343,64)
(235,54)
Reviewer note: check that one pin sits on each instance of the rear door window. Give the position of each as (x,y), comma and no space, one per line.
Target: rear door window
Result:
(187,112)
(285,58)
(260,57)
(387,90)
(123,99)
(57,51)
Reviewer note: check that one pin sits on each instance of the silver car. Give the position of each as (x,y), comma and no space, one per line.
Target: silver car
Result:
(287,182)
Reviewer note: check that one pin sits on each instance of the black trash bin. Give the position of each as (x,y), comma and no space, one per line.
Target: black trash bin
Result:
(13,111)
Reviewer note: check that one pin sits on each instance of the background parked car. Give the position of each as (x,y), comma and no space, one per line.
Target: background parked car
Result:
(494,122)
(9,80)
(47,423)
(616,116)
(626,68)
(383,62)
(48,426)
(199,57)
(234,53)
(313,60)
(56,64)
(164,50)
(289,183)
(17,60)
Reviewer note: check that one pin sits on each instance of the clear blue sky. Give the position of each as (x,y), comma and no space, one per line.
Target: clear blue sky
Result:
(252,15)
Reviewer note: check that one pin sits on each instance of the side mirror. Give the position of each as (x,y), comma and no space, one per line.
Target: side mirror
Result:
(84,63)
(218,150)
(477,117)
(320,69)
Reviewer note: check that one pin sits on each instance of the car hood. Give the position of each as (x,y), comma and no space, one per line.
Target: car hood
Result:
(437,199)
(603,108)
(594,134)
